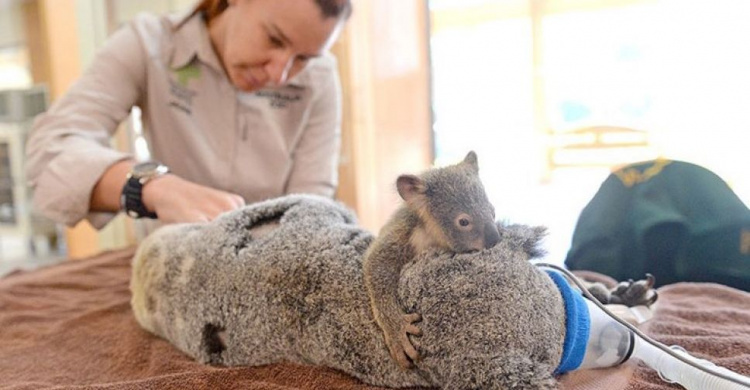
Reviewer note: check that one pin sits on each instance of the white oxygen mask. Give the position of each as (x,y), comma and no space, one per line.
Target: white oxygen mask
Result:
(610,343)
(613,341)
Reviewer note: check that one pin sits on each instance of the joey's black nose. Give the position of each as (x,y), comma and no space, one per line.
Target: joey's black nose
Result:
(491,235)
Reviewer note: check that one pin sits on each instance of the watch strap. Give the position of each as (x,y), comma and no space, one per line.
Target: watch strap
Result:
(132,199)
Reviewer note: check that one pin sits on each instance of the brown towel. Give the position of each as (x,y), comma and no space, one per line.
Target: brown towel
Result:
(710,321)
(70,326)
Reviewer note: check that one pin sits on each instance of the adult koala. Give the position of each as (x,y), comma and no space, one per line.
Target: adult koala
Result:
(282,280)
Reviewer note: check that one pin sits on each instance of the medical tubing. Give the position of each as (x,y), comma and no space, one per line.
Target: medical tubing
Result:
(610,344)
(685,358)
(687,375)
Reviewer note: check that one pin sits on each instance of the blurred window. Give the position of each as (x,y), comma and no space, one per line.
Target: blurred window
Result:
(508,76)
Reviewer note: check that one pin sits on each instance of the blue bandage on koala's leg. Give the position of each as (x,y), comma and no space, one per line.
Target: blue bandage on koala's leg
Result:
(577,325)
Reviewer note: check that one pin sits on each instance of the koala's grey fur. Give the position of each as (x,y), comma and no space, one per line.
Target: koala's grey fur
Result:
(282,281)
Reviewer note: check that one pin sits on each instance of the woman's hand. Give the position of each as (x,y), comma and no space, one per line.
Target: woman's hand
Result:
(176,200)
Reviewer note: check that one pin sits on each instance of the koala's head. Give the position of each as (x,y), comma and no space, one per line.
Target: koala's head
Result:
(453,206)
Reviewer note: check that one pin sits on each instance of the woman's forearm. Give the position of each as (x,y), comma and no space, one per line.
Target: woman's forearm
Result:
(106,193)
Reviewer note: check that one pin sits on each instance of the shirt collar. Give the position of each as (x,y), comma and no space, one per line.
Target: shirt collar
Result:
(191,41)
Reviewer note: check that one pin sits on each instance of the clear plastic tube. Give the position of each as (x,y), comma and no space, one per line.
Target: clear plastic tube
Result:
(610,343)
(675,371)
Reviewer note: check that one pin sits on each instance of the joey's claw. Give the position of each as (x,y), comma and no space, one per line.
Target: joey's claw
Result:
(413,330)
(396,349)
(412,317)
(409,327)
(634,293)
(400,347)
(409,349)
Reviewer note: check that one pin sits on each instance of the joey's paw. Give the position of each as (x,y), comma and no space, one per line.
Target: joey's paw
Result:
(635,293)
(399,345)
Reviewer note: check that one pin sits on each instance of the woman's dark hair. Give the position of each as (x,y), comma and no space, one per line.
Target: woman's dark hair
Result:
(330,8)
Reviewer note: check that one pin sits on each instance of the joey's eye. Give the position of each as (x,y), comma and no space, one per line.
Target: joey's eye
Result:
(464,221)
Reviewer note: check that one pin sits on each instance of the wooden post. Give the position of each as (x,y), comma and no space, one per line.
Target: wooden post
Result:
(541,126)
(387,128)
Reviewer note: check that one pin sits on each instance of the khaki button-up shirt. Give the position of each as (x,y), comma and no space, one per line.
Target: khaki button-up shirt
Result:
(258,145)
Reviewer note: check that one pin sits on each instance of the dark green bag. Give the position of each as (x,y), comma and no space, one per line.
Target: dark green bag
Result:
(675,220)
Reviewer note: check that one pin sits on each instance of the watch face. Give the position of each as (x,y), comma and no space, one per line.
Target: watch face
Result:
(149,169)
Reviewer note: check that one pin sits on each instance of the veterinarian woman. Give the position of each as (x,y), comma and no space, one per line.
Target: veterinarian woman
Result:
(240,102)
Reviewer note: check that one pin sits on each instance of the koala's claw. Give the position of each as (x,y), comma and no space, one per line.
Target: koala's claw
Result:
(635,293)
(401,348)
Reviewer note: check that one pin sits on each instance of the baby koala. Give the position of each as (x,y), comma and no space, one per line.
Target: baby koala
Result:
(444,208)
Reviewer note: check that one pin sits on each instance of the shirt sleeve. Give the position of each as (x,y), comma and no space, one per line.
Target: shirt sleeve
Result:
(315,167)
(68,148)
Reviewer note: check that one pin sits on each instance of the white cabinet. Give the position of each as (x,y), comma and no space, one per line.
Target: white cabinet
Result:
(22,232)
(15,215)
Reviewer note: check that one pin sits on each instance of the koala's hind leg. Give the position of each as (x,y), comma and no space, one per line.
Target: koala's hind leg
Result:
(629,293)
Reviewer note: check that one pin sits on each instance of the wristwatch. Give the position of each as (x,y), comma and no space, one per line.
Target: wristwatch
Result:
(131,198)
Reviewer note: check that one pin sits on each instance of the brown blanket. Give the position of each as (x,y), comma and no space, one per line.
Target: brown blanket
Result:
(70,326)
(710,321)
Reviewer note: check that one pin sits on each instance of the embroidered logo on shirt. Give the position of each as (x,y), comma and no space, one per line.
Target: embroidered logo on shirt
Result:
(182,98)
(187,73)
(281,99)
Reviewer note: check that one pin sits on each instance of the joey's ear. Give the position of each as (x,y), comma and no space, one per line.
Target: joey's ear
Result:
(471,160)
(410,186)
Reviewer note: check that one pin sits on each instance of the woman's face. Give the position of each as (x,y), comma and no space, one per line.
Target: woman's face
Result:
(266,42)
